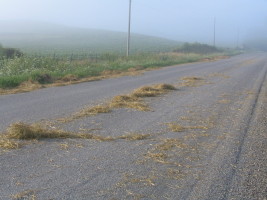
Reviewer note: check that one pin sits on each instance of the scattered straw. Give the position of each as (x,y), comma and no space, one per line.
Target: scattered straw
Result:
(128,101)
(29,132)
(193,81)
(89,111)
(134,136)
(176,127)
(8,144)
(170,143)
(133,101)
(146,91)
(152,91)
(175,174)
(26,86)
(95,137)
(165,87)
(29,194)
(93,111)
(22,131)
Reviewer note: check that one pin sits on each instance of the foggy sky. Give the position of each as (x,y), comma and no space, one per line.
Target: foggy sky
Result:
(182,20)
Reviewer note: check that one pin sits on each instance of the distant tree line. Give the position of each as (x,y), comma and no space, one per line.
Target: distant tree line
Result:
(197,48)
(8,53)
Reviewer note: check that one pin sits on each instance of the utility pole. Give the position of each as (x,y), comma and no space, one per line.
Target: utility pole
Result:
(214,31)
(129,29)
(237,39)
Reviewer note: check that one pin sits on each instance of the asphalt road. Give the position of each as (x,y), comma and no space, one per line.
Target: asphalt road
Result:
(221,152)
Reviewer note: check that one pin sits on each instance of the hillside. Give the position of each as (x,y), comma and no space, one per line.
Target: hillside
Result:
(44,38)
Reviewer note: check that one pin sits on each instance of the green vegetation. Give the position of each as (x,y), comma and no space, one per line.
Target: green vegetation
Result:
(49,69)
(9,52)
(55,53)
(198,48)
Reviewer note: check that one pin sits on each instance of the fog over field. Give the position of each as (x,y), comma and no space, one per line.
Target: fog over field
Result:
(236,22)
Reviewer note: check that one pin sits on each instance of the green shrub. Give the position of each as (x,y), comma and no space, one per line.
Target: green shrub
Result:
(8,53)
(197,48)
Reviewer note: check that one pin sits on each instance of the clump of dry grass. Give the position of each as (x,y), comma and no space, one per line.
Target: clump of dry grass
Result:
(133,101)
(95,137)
(8,144)
(89,111)
(134,136)
(193,81)
(152,91)
(70,78)
(170,143)
(159,157)
(29,194)
(176,127)
(165,87)
(148,180)
(24,131)
(93,111)
(146,91)
(26,86)
(128,101)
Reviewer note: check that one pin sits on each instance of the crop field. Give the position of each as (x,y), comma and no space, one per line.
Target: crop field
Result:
(43,39)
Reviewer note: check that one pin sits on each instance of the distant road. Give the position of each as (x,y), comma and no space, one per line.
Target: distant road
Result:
(220,153)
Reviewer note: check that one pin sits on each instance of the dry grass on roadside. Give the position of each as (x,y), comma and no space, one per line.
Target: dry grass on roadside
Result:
(85,112)
(26,86)
(134,136)
(22,131)
(29,86)
(92,111)
(146,91)
(193,81)
(128,101)
(169,143)
(8,144)
(165,87)
(133,100)
(175,127)
(160,152)
(29,194)
(148,180)
(152,91)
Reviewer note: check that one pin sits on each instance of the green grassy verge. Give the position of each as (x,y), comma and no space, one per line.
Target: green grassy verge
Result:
(45,70)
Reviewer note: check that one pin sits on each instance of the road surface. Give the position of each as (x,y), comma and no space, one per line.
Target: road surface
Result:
(219,152)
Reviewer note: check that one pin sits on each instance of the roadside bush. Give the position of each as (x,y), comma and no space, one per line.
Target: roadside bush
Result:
(197,48)
(42,78)
(9,53)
